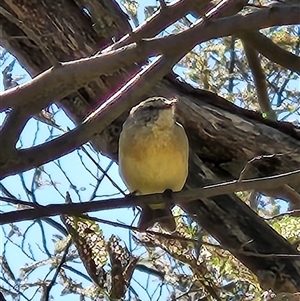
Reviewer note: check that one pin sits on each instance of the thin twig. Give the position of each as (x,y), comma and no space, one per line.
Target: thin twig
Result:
(295,212)
(62,261)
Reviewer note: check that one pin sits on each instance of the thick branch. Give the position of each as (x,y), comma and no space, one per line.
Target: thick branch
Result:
(74,76)
(9,132)
(95,123)
(58,82)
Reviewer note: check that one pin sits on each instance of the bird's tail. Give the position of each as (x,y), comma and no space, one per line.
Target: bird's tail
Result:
(163,216)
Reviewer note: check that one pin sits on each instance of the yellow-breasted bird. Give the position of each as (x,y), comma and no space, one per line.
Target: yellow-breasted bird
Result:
(153,156)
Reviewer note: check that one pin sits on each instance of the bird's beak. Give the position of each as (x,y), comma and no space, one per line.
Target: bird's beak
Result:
(171,103)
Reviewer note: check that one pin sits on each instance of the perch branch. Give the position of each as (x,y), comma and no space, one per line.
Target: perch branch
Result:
(129,201)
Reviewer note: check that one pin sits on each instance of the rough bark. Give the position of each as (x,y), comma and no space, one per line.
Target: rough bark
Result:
(223,137)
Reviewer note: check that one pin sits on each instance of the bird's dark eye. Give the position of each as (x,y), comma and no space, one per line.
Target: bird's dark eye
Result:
(151,108)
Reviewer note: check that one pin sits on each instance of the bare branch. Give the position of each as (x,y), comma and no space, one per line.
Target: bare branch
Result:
(58,82)
(284,214)
(71,76)
(46,296)
(270,50)
(11,129)
(260,81)
(159,21)
(129,201)
(95,122)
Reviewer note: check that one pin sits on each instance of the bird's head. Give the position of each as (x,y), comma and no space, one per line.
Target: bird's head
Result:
(157,111)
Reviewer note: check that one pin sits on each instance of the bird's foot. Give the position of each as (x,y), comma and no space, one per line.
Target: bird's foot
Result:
(168,195)
(133,193)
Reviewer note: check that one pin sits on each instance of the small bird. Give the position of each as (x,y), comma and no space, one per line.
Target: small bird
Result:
(153,157)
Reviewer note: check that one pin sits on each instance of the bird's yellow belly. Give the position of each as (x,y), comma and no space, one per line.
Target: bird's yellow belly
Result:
(153,164)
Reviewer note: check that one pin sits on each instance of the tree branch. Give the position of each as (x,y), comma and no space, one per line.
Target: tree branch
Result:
(159,21)
(260,81)
(121,101)
(70,76)
(180,198)
(58,82)
(270,50)
(10,131)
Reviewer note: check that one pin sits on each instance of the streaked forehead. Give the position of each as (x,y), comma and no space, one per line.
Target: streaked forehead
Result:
(154,103)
